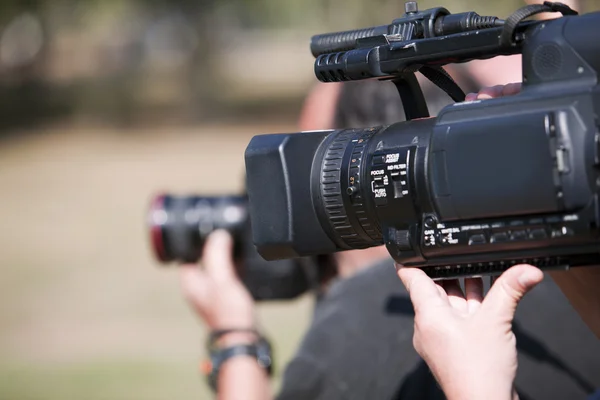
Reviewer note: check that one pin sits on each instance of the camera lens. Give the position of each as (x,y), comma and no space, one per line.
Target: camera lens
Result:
(180,225)
(341,190)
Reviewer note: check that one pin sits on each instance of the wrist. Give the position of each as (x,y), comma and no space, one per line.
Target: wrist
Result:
(468,390)
(235,338)
(234,349)
(471,384)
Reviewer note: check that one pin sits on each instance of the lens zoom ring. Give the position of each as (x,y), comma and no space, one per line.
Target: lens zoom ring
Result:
(331,190)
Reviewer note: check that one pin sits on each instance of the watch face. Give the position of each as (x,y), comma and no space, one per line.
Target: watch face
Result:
(264,356)
(264,361)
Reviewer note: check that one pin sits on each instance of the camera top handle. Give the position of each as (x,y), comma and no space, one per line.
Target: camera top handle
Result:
(422,41)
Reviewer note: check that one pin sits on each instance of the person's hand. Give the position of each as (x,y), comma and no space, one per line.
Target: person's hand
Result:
(493,92)
(467,340)
(215,291)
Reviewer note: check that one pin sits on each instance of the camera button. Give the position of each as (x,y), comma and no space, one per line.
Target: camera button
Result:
(380,201)
(477,239)
(499,237)
(537,234)
(567,231)
(402,240)
(562,232)
(556,233)
(518,235)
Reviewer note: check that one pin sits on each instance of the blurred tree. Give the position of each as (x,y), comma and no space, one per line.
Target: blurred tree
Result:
(117,33)
(199,17)
(24,39)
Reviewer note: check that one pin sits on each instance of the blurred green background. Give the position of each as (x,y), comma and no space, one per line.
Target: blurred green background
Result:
(102,105)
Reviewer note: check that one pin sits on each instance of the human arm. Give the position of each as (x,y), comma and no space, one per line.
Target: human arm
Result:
(319,107)
(219,298)
(241,378)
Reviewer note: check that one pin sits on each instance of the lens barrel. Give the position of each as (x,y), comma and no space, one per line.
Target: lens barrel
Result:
(179,225)
(342,190)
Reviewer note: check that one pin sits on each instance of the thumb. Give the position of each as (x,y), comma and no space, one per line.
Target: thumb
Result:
(509,289)
(218,256)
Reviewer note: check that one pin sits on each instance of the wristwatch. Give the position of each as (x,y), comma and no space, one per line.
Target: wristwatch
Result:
(260,350)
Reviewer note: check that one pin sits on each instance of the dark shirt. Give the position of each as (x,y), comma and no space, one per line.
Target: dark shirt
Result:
(359,346)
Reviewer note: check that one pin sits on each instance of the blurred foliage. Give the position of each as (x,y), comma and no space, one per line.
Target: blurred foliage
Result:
(122,61)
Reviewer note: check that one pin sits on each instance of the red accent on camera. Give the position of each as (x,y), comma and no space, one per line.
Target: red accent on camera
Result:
(156,235)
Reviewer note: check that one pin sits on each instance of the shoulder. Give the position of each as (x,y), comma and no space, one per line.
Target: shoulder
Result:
(367,307)
(383,274)
(305,377)
(559,357)
(364,324)
(372,297)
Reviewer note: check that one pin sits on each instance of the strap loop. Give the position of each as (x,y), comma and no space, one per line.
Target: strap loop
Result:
(511,23)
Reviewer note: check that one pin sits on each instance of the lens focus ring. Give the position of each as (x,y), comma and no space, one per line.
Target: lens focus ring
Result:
(357,156)
(350,224)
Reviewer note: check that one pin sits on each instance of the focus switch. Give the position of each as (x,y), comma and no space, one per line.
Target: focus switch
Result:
(477,239)
(403,241)
(537,234)
(499,237)
(378,159)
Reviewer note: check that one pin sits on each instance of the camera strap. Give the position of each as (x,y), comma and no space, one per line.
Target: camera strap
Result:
(439,77)
(511,23)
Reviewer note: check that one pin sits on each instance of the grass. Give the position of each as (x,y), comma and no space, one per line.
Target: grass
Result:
(85,311)
(112,379)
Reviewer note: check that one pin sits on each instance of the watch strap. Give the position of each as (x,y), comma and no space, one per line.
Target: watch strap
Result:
(260,351)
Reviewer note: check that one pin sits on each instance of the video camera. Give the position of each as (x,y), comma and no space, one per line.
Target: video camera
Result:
(484,186)
(179,226)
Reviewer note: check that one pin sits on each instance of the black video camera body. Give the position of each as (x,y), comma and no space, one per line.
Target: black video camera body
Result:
(484,186)
(180,225)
